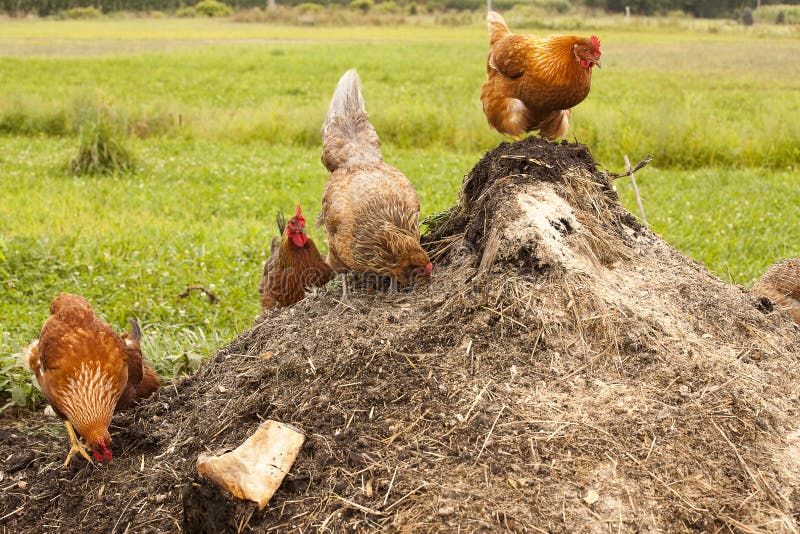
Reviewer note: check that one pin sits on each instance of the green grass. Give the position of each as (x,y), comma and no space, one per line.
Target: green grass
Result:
(197,213)
(689,98)
(223,120)
(737,221)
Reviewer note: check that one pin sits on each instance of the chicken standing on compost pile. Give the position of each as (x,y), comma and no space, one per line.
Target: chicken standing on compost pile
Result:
(370,209)
(781,285)
(294,266)
(87,372)
(534,82)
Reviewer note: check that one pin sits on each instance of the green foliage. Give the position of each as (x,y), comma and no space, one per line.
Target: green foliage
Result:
(102,147)
(186,12)
(4,273)
(88,12)
(16,382)
(21,116)
(388,7)
(747,16)
(310,7)
(212,8)
(362,5)
(696,8)
(554,6)
(779,14)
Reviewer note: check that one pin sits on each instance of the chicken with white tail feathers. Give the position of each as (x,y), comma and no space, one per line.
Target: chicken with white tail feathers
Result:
(370,209)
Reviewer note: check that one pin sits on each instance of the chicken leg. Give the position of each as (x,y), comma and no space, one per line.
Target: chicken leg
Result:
(77,446)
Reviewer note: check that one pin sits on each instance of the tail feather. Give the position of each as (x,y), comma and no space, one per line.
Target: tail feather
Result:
(135,335)
(29,358)
(497,27)
(280,219)
(347,135)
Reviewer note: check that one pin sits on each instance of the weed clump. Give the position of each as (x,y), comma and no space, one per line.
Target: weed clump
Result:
(363,5)
(212,8)
(80,13)
(102,149)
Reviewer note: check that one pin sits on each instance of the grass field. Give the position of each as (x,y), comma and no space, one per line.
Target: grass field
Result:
(224,121)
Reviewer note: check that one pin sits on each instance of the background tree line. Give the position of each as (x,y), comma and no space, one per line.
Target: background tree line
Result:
(696,8)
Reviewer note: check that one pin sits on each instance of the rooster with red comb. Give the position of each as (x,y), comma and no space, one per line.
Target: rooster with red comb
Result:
(295,265)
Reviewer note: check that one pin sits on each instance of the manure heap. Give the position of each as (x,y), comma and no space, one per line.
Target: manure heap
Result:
(566,370)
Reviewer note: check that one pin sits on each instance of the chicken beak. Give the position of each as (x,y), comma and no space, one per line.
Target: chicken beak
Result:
(597,62)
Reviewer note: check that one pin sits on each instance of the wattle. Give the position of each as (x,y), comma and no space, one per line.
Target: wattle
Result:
(299,240)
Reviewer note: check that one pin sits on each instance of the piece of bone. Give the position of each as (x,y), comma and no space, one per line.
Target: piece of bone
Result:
(255,469)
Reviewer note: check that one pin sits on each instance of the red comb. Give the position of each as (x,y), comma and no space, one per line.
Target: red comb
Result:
(299,215)
(596,42)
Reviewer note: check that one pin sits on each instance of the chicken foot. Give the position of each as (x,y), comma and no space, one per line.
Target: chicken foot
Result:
(77,446)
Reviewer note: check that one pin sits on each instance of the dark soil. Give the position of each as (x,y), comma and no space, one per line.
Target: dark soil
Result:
(565,371)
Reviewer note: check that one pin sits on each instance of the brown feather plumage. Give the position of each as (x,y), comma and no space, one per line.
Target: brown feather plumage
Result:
(532,83)
(369,208)
(291,270)
(84,368)
(142,379)
(781,284)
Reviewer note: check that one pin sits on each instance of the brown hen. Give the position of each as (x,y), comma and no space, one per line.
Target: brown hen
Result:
(781,285)
(533,82)
(370,209)
(87,372)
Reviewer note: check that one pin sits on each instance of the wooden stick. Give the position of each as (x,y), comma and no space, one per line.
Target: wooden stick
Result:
(643,163)
(359,507)
(489,435)
(391,483)
(636,189)
(211,296)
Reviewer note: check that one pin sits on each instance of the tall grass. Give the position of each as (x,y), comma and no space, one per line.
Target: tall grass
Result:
(102,149)
(710,100)
(195,212)
(779,14)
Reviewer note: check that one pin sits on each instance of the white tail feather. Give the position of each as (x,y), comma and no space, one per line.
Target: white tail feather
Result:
(494,16)
(347,134)
(347,99)
(26,354)
(497,27)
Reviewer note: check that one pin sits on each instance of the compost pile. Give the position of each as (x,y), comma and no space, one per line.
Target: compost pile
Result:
(565,370)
